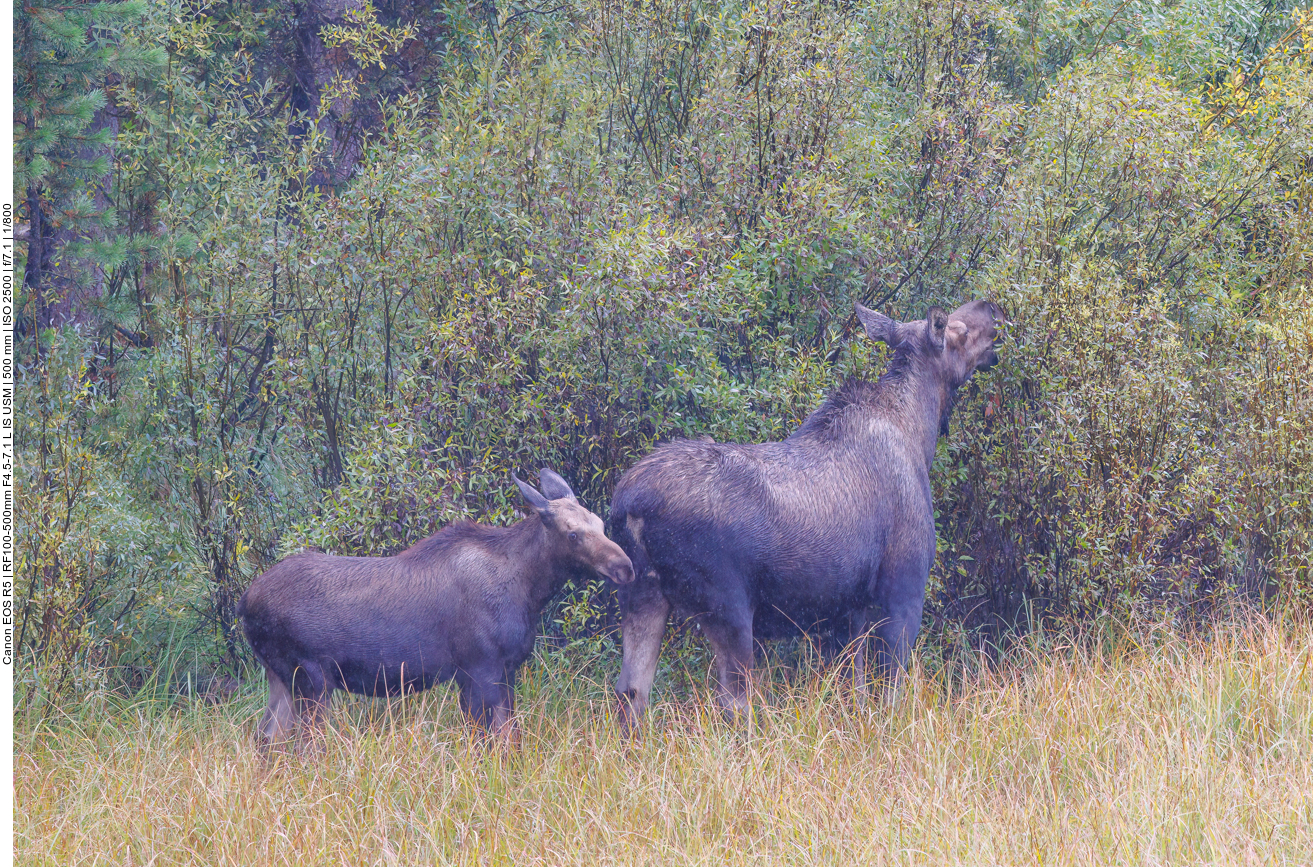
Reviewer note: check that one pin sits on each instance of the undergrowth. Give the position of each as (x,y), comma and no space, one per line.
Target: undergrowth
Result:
(1094,746)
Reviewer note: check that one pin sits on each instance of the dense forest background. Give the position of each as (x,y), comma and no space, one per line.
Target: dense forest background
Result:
(323,273)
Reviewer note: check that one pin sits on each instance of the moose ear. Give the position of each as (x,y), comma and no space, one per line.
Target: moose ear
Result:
(532,497)
(554,487)
(936,323)
(878,326)
(1000,315)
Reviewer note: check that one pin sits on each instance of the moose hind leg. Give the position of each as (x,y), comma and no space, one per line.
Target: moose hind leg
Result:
(732,642)
(859,638)
(279,721)
(313,692)
(642,630)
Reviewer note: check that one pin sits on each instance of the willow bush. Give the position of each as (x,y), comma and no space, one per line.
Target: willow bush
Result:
(601,228)
(1113,464)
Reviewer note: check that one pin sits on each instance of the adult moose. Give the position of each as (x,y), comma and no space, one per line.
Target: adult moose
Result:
(832,526)
(462,604)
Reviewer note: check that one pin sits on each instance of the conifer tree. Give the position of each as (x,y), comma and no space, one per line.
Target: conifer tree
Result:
(67,58)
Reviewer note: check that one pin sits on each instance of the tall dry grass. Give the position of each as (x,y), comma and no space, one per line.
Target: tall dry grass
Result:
(1169,750)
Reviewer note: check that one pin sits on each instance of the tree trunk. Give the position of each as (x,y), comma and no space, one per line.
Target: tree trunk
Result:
(342,121)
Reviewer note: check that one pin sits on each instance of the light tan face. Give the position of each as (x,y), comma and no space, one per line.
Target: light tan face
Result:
(575,534)
(970,339)
(581,536)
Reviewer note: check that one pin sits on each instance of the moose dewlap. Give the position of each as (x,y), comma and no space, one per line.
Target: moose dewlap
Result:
(461,605)
(833,527)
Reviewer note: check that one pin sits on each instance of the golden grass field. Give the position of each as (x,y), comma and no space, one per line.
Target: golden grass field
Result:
(1167,750)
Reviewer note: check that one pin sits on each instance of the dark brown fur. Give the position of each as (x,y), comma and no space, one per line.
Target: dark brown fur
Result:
(460,605)
(832,527)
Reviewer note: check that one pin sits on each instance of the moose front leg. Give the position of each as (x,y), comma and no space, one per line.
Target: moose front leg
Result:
(859,637)
(489,703)
(894,637)
(900,599)
(900,617)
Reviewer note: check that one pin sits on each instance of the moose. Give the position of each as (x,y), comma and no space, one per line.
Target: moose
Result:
(461,605)
(832,527)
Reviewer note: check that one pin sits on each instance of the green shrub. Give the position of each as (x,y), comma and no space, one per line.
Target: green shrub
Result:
(596,230)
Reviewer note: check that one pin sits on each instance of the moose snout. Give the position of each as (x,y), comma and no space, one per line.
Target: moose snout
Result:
(620,570)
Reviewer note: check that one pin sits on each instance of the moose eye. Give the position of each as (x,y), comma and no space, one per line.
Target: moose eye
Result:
(574,537)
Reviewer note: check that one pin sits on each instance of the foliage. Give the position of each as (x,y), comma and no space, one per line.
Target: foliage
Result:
(63,53)
(68,58)
(571,233)
(1111,466)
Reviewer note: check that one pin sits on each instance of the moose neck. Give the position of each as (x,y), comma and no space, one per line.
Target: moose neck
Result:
(911,398)
(926,400)
(542,573)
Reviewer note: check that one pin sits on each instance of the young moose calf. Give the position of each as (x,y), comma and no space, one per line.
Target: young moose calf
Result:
(463,604)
